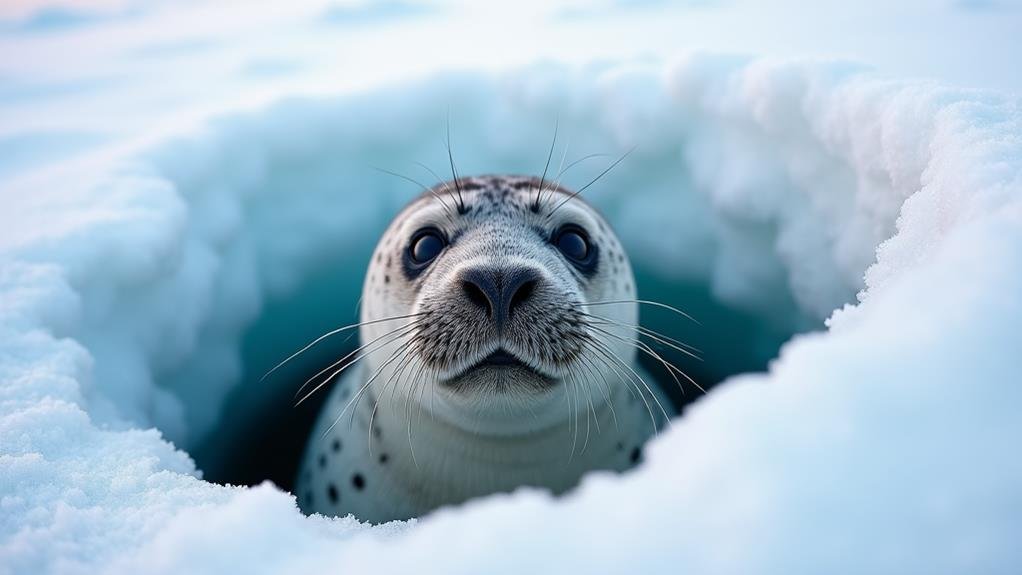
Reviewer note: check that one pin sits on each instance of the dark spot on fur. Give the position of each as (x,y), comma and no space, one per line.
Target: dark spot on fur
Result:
(331,492)
(620,446)
(322,461)
(336,445)
(635,455)
(384,458)
(386,279)
(358,481)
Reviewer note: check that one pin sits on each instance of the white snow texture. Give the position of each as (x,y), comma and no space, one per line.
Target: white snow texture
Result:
(885,444)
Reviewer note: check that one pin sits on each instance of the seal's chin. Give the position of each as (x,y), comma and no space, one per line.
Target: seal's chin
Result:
(500,371)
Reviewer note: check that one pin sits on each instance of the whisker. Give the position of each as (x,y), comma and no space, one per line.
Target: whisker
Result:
(414,376)
(542,179)
(592,407)
(362,390)
(333,365)
(557,179)
(612,362)
(596,419)
(579,161)
(353,362)
(399,373)
(399,353)
(646,385)
(454,170)
(579,191)
(605,388)
(560,170)
(633,388)
(432,399)
(408,428)
(578,394)
(641,302)
(395,377)
(574,411)
(422,388)
(642,346)
(689,350)
(567,405)
(443,181)
(334,332)
(671,366)
(631,385)
(654,335)
(447,210)
(646,349)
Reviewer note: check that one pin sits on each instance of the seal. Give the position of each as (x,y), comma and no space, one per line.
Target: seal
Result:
(498,342)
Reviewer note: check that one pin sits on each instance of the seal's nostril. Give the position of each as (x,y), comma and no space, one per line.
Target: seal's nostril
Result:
(521,295)
(476,295)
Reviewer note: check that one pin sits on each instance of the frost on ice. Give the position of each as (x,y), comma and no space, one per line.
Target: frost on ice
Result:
(884,443)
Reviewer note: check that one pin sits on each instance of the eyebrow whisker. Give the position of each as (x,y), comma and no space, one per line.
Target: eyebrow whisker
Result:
(454,169)
(550,154)
(431,191)
(579,191)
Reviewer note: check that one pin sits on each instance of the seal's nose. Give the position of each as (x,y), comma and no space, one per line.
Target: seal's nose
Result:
(499,292)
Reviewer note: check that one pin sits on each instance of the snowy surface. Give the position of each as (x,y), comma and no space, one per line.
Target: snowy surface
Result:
(130,269)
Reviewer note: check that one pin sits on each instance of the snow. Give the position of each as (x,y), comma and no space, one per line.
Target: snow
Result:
(798,191)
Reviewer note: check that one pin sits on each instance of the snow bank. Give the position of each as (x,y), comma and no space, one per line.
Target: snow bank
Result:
(884,444)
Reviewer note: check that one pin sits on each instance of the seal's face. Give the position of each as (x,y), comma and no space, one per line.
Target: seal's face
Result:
(509,305)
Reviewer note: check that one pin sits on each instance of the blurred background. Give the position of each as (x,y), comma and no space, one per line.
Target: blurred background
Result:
(76,74)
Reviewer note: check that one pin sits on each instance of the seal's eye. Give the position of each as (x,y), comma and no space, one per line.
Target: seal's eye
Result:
(573,242)
(426,246)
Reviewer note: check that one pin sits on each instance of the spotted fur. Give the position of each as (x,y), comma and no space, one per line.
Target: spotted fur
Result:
(416,425)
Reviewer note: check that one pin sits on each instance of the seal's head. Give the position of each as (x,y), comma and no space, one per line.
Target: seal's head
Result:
(501,304)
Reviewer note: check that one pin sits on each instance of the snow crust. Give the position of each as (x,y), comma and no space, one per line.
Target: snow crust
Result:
(885,443)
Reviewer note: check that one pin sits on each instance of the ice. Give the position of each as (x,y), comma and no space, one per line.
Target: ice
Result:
(800,192)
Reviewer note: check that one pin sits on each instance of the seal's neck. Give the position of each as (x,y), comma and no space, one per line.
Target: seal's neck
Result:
(441,463)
